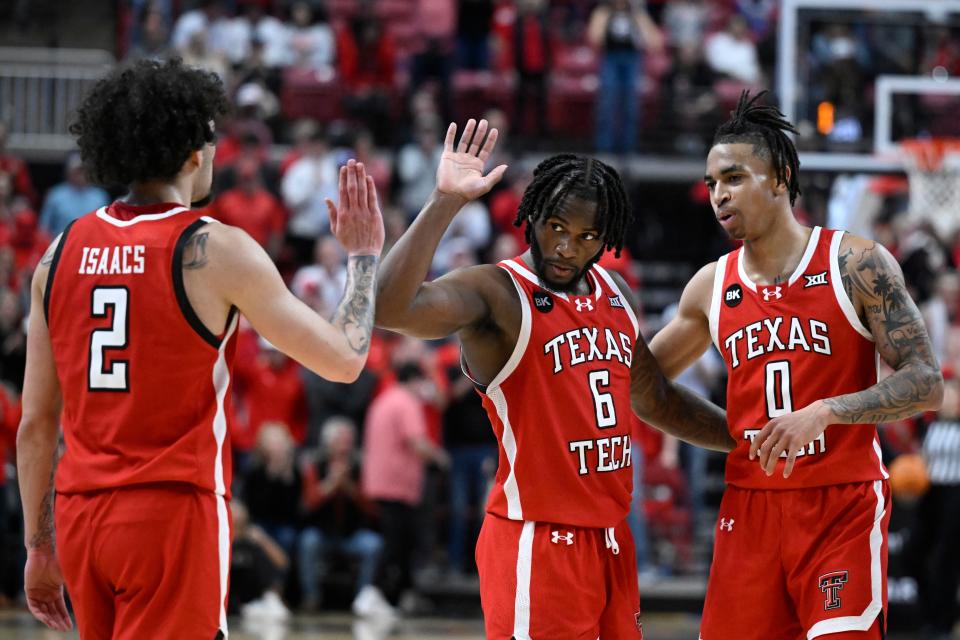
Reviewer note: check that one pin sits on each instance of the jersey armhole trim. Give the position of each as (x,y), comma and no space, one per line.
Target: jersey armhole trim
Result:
(522,340)
(627,307)
(718,278)
(836,280)
(53,271)
(182,301)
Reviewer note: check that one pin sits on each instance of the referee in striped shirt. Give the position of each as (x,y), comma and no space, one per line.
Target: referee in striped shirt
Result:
(938,521)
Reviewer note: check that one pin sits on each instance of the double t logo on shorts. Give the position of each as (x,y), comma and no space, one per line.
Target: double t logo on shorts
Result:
(831,584)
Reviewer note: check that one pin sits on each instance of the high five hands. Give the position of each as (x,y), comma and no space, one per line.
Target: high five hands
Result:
(461,170)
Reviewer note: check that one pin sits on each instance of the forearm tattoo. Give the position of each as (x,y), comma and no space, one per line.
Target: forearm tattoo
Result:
(354,316)
(195,251)
(674,409)
(873,276)
(44,537)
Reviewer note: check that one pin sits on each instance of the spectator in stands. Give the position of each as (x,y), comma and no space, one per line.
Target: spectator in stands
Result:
(271,392)
(257,27)
(337,514)
(308,182)
(366,57)
(258,566)
(685,23)
(433,57)
(622,30)
(474,21)
(467,235)
(272,486)
(416,165)
(532,61)
(396,449)
(473,454)
(198,53)
(689,94)
(504,204)
(153,35)
(209,18)
(71,199)
(311,39)
(376,165)
(732,52)
(252,207)
(321,283)
(13,339)
(16,169)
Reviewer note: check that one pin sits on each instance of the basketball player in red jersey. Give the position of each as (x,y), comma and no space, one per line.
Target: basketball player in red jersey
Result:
(799,315)
(552,341)
(130,346)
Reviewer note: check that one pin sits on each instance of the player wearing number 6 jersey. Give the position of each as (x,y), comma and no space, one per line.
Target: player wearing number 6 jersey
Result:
(130,347)
(551,340)
(799,315)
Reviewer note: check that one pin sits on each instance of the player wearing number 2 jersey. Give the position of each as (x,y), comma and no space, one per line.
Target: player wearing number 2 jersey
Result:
(799,315)
(551,341)
(130,346)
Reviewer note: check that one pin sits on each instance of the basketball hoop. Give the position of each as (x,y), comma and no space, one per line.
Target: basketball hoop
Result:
(933,169)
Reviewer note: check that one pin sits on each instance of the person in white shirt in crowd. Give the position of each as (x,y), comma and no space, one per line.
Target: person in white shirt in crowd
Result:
(306,185)
(732,52)
(416,164)
(311,39)
(321,284)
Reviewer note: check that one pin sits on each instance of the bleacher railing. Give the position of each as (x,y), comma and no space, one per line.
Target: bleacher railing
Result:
(40,88)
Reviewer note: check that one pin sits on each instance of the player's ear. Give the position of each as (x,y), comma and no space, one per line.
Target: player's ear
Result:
(783,187)
(193,162)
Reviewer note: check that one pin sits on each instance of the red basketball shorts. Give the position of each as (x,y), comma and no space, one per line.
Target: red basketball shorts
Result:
(545,581)
(798,564)
(145,562)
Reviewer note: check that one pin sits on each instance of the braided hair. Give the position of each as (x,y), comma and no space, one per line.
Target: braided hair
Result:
(764,127)
(568,175)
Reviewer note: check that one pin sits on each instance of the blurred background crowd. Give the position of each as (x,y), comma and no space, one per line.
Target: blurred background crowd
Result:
(370,494)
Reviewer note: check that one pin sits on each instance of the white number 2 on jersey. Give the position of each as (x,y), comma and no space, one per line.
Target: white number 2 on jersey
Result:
(113,378)
(602,402)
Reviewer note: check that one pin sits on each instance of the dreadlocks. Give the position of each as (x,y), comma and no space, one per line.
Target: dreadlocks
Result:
(565,175)
(764,127)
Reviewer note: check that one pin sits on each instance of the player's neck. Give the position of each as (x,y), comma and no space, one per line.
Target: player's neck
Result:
(772,257)
(156,192)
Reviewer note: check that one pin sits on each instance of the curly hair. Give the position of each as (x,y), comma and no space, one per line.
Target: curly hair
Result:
(142,121)
(592,180)
(764,127)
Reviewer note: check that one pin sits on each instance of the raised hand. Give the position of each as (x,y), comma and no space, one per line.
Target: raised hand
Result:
(356,221)
(43,584)
(461,171)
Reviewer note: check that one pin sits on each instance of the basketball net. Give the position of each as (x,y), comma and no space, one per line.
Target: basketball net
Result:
(933,169)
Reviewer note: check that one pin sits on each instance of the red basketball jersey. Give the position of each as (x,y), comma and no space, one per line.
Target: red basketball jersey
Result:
(561,406)
(787,346)
(145,385)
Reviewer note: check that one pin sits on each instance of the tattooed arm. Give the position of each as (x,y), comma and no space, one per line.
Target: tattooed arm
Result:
(674,409)
(874,283)
(245,277)
(37,438)
(670,407)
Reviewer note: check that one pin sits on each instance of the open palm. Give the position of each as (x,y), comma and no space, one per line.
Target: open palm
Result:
(461,169)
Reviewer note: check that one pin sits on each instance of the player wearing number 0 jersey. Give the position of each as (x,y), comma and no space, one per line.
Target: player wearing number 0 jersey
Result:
(134,310)
(551,340)
(799,316)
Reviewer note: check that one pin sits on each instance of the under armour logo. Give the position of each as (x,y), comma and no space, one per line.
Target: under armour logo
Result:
(772,294)
(726,525)
(583,303)
(815,280)
(567,537)
(831,584)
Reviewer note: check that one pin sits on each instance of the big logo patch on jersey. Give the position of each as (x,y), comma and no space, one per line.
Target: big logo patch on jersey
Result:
(815,279)
(733,295)
(543,301)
